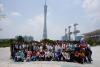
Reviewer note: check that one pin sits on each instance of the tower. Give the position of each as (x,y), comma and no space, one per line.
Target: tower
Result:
(45,22)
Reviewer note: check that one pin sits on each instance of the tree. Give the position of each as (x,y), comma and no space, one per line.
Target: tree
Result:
(19,38)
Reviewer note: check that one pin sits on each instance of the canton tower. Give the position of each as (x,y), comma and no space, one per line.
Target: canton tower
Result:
(45,22)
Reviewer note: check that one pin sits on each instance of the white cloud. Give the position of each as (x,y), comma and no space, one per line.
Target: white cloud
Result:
(32,26)
(92,8)
(6,26)
(1,8)
(16,14)
(36,21)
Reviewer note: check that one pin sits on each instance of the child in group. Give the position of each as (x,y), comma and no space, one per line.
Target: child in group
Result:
(58,55)
(37,55)
(65,56)
(88,54)
(79,56)
(19,56)
(33,58)
(29,55)
(76,56)
(82,56)
(42,55)
(83,44)
(48,55)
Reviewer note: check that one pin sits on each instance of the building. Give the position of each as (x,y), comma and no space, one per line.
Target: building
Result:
(24,38)
(28,38)
(65,37)
(78,38)
(95,35)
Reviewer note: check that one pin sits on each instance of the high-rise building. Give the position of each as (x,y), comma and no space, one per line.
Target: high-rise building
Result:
(45,22)
(65,37)
(28,38)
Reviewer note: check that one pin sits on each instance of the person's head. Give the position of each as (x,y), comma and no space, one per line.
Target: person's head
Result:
(19,51)
(64,50)
(82,41)
(26,50)
(46,49)
(77,45)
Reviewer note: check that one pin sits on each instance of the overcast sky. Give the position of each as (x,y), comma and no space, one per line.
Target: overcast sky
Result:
(25,17)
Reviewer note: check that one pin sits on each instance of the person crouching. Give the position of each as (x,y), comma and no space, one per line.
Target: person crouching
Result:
(42,55)
(19,56)
(33,58)
(79,56)
(29,54)
(48,55)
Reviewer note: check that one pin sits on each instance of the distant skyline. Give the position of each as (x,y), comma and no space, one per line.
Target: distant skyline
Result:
(26,17)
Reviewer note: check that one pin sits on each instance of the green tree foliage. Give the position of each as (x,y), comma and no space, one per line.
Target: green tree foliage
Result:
(19,39)
(6,42)
(92,41)
(47,41)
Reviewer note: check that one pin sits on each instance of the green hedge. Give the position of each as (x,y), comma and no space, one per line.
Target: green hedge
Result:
(92,42)
(5,42)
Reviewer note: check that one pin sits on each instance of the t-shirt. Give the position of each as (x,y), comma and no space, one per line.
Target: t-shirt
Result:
(29,53)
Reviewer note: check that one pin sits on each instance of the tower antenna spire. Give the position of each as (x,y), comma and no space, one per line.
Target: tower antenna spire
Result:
(45,2)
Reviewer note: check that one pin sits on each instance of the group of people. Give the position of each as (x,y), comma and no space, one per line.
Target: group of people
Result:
(58,51)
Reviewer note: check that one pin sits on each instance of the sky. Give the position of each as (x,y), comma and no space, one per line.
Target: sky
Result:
(26,17)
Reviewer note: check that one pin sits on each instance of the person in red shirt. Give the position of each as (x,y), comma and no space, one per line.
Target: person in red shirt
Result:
(42,55)
(33,58)
(29,55)
(37,55)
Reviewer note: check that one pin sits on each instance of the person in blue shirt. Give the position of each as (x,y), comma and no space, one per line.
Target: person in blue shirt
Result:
(19,56)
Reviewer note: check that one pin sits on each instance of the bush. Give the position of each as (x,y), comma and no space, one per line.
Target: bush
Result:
(92,42)
(6,42)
